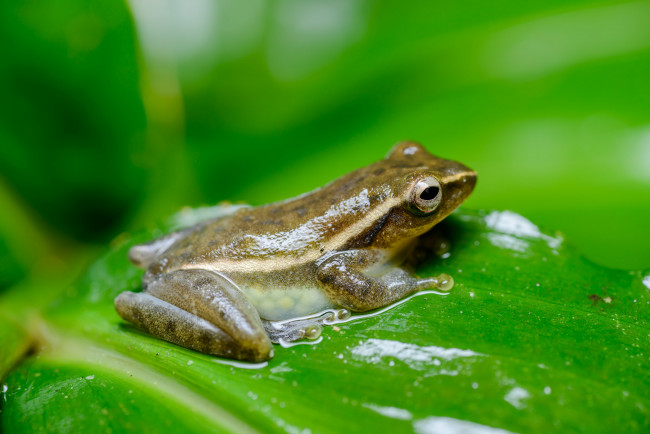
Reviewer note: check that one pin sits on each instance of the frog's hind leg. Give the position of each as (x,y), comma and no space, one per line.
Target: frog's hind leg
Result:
(200,310)
(172,323)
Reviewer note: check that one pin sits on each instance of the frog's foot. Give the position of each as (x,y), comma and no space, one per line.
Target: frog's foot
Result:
(442,282)
(307,327)
(290,331)
(200,310)
(142,255)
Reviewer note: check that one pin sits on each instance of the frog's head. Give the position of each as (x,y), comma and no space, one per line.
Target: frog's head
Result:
(428,189)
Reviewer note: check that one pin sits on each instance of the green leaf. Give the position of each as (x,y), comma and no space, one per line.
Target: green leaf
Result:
(14,342)
(532,337)
(72,121)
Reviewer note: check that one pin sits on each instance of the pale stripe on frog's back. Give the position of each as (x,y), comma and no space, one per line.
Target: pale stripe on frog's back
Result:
(309,253)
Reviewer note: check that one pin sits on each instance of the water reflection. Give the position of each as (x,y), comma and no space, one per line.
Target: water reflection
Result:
(448,425)
(511,225)
(391,412)
(432,358)
(517,397)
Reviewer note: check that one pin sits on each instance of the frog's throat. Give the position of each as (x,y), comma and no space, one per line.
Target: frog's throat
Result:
(283,263)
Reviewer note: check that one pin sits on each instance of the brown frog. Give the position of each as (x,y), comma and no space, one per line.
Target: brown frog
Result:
(214,287)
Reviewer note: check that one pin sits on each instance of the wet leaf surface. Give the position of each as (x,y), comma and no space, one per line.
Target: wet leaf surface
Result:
(533,337)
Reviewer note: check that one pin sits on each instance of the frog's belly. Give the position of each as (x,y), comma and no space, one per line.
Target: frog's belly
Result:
(279,304)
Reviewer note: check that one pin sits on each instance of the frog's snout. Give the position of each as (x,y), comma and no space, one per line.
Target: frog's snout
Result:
(461,180)
(470,178)
(458,187)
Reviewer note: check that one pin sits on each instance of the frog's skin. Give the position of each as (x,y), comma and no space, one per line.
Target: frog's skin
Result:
(210,287)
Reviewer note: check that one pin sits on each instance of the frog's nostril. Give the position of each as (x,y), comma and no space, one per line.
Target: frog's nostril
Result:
(429,193)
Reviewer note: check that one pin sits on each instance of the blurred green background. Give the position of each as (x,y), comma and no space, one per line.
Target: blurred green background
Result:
(114,115)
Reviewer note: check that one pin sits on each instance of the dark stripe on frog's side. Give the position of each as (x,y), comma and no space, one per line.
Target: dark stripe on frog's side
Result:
(367,237)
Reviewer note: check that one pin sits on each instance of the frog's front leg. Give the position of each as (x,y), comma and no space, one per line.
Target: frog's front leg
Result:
(344,278)
(200,310)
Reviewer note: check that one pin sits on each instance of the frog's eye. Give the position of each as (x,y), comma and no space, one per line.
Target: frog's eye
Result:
(426,194)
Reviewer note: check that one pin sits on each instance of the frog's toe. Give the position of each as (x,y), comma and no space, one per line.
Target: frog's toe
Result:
(313,331)
(442,282)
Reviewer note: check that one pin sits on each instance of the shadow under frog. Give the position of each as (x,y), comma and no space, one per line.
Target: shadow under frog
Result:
(217,286)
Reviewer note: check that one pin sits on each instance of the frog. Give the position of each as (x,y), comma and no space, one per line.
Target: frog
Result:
(216,286)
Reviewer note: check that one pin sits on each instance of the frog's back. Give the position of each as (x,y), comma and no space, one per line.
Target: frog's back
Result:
(296,231)
(285,230)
